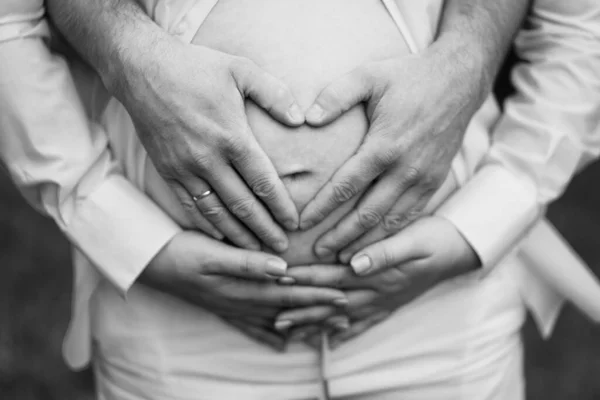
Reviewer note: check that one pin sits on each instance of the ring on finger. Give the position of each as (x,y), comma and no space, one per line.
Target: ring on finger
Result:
(202,195)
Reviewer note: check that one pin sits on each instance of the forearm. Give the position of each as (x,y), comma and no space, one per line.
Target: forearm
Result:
(63,165)
(549,129)
(477,34)
(113,36)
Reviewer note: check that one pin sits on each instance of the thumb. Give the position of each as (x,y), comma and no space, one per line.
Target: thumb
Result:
(230,261)
(388,253)
(340,96)
(267,91)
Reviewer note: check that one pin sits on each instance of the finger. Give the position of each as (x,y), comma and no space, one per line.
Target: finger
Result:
(325,315)
(229,261)
(340,96)
(211,208)
(333,276)
(240,201)
(305,316)
(196,218)
(371,159)
(367,214)
(403,247)
(357,328)
(262,178)
(300,333)
(267,91)
(394,222)
(314,340)
(267,294)
(261,335)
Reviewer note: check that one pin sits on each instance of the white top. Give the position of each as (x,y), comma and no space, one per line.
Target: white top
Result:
(61,161)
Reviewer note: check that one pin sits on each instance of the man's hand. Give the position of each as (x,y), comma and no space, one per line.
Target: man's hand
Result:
(188,108)
(419,107)
(389,274)
(235,284)
(187,103)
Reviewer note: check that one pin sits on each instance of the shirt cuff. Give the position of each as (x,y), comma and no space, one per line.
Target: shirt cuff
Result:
(30,25)
(493,211)
(120,230)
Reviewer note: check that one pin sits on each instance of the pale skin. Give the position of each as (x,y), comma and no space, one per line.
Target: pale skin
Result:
(189,155)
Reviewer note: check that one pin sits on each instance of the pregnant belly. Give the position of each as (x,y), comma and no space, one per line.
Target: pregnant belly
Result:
(307,44)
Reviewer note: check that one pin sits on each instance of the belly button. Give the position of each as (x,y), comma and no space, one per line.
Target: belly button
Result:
(295,176)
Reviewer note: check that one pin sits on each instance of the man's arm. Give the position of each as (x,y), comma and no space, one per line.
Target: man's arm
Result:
(549,130)
(60,162)
(188,106)
(419,108)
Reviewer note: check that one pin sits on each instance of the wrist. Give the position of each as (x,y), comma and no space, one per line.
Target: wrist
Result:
(131,54)
(159,271)
(465,64)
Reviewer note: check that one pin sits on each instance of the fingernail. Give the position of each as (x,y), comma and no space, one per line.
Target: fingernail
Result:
(340,302)
(291,225)
(361,264)
(295,114)
(323,252)
(298,336)
(315,113)
(276,266)
(280,246)
(218,235)
(342,325)
(306,224)
(283,324)
(286,280)
(345,257)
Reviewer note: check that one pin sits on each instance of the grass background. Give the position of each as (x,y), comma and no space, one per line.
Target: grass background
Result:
(35,286)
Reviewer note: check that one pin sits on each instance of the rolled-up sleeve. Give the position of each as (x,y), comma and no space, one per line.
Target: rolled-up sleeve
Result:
(550,129)
(61,162)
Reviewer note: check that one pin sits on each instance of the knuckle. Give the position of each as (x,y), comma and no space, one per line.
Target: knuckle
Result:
(188,205)
(198,159)
(384,159)
(286,300)
(338,281)
(264,188)
(245,265)
(241,65)
(393,222)
(280,93)
(344,191)
(215,213)
(368,218)
(393,281)
(237,149)
(412,174)
(242,208)
(412,214)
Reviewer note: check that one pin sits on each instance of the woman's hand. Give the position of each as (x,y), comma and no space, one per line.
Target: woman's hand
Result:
(240,286)
(390,274)
(418,107)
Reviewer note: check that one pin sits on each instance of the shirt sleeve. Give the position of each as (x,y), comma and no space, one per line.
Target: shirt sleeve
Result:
(549,129)
(61,162)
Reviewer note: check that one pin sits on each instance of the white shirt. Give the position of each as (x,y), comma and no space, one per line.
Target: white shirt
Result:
(63,166)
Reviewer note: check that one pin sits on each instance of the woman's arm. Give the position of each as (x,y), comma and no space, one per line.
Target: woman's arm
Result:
(187,103)
(549,130)
(60,162)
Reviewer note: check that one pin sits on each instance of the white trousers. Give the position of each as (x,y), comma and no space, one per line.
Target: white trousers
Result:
(459,341)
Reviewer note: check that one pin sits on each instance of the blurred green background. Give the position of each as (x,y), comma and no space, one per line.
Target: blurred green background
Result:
(35,286)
